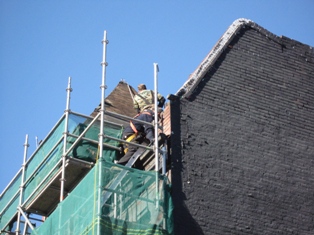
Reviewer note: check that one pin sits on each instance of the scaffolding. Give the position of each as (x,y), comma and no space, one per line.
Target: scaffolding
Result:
(71,185)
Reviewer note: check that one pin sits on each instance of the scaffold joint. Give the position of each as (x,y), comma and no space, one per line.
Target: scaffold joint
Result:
(104,41)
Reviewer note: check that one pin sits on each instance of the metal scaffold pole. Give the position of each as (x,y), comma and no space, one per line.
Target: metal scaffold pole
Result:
(26,145)
(156,149)
(101,131)
(156,70)
(65,134)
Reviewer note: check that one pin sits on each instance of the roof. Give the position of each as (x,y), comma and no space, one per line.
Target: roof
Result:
(120,100)
(221,45)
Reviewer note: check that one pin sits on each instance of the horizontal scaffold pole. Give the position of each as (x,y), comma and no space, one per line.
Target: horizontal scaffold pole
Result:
(96,142)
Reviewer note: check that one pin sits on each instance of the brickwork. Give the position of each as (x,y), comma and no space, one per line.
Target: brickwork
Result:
(243,150)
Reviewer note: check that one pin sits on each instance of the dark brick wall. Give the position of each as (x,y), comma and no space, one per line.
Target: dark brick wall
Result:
(243,143)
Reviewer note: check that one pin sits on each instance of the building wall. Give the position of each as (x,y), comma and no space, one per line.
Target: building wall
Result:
(242,144)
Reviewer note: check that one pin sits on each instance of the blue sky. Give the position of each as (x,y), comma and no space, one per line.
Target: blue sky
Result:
(42,43)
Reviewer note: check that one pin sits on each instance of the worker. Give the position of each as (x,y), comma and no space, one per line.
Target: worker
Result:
(144,99)
(138,133)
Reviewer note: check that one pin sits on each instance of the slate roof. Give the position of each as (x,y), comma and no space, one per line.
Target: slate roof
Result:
(119,101)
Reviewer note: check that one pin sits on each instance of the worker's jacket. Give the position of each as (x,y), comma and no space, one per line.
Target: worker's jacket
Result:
(145,99)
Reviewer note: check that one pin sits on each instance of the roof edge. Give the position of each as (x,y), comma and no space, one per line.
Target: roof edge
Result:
(214,54)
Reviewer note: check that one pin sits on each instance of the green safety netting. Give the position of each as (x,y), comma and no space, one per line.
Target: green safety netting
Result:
(130,201)
(84,150)
(46,160)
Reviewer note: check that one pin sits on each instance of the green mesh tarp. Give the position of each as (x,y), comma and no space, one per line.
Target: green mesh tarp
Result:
(36,169)
(76,212)
(87,150)
(111,199)
(46,160)
(137,203)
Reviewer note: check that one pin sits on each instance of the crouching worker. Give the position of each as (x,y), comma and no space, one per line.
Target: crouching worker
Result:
(138,133)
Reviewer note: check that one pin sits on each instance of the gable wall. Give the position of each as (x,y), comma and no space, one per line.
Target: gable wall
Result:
(242,153)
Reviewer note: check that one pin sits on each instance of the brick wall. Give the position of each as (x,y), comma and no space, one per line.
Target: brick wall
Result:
(243,143)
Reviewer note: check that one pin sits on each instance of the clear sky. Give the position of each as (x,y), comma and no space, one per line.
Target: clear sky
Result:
(42,43)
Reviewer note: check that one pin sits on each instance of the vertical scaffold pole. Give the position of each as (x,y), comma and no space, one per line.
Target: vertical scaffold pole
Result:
(26,145)
(156,149)
(156,69)
(101,131)
(65,135)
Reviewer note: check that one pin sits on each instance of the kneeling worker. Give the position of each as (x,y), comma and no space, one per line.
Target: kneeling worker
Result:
(138,133)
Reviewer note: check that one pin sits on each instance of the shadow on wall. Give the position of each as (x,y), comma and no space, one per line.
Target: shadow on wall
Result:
(184,223)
